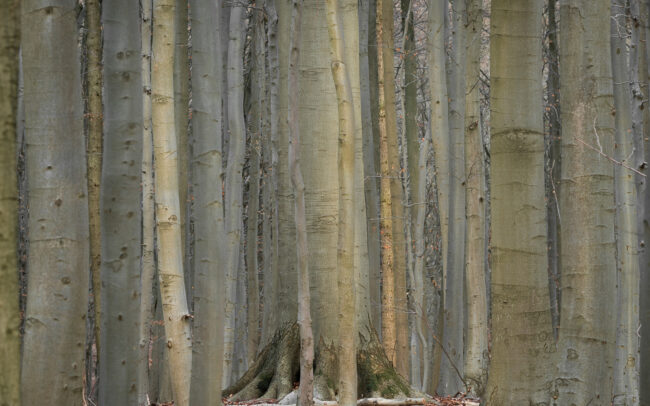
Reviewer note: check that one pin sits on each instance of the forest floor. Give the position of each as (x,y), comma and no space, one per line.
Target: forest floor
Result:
(459,400)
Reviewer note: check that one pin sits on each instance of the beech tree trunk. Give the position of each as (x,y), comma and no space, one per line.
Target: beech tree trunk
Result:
(9,313)
(170,255)
(521,323)
(585,355)
(55,330)
(207,207)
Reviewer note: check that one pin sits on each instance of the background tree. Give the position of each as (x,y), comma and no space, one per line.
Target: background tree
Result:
(9,315)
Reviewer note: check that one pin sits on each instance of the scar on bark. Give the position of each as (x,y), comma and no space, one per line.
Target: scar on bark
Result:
(277,367)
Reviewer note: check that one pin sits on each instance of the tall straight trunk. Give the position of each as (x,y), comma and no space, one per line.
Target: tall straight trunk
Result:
(644,203)
(94,155)
(347,355)
(306,396)
(148,266)
(54,337)
(285,199)
(270,320)
(554,164)
(121,221)
(475,266)
(256,114)
(521,326)
(626,373)
(585,355)
(234,180)
(181,115)
(369,165)
(170,255)
(388,333)
(440,138)
(401,360)
(454,274)
(207,208)
(9,289)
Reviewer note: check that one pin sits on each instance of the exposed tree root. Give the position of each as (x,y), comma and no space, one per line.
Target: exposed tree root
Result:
(277,367)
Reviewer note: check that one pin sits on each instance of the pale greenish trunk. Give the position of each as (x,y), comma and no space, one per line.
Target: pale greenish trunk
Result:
(58,263)
(522,335)
(234,181)
(9,290)
(626,371)
(451,373)
(436,59)
(181,115)
(347,370)
(169,243)
(121,216)
(586,349)
(148,266)
(207,206)
(476,350)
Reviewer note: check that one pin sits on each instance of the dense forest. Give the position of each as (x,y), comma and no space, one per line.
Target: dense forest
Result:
(324,202)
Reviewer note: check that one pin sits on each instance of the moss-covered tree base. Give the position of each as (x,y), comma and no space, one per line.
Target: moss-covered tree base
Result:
(277,368)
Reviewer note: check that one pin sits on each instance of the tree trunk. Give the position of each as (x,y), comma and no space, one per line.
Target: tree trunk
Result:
(388,333)
(346,225)
(94,155)
(9,290)
(521,326)
(440,136)
(121,222)
(476,353)
(588,249)
(234,179)
(170,255)
(53,346)
(207,207)
(148,270)
(454,274)
(306,396)
(626,373)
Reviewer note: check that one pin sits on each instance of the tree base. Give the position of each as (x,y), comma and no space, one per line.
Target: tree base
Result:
(277,368)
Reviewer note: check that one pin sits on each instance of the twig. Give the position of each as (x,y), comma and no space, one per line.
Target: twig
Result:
(610,158)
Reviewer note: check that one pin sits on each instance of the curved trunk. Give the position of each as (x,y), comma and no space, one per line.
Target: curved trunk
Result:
(170,255)
(9,315)
(521,326)
(207,207)
(55,331)
(587,341)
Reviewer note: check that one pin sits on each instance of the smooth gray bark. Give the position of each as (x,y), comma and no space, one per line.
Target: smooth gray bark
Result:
(55,328)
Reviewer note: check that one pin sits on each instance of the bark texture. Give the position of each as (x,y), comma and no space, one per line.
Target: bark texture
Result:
(586,347)
(9,315)
(170,255)
(207,207)
(54,338)
(121,216)
(521,324)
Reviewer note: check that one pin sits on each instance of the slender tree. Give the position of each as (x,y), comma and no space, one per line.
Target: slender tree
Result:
(207,207)
(147,261)
(9,309)
(587,340)
(626,372)
(475,265)
(170,258)
(234,179)
(53,342)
